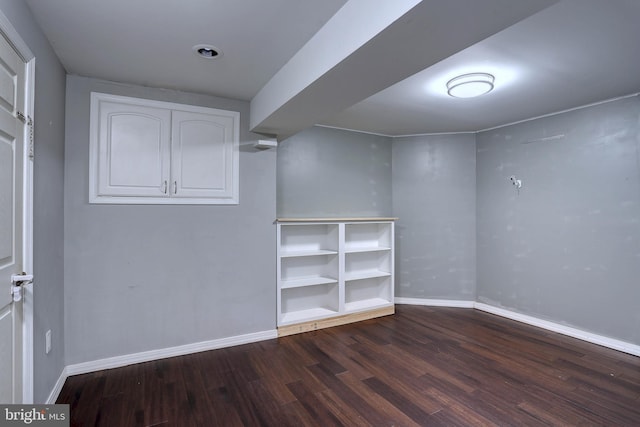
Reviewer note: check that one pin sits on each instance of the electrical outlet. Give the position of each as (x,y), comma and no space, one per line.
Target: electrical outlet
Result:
(47,342)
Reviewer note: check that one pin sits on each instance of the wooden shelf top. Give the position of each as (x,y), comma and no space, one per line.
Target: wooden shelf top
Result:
(344,219)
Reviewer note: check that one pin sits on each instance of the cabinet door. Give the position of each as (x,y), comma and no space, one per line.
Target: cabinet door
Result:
(133,150)
(204,160)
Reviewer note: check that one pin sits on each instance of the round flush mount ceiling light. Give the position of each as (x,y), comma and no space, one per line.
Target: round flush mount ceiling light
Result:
(470,85)
(207,51)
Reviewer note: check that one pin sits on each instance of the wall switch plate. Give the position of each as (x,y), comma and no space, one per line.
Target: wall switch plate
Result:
(47,342)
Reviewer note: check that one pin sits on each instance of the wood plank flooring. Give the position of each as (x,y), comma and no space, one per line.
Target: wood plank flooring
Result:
(421,367)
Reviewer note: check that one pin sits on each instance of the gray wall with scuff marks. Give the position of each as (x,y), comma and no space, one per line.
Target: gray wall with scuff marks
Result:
(147,277)
(434,197)
(566,247)
(325,172)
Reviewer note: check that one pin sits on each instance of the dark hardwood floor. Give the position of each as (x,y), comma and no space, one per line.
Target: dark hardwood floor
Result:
(423,366)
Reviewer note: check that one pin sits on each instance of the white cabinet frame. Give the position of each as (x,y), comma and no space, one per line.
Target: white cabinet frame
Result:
(333,271)
(164,153)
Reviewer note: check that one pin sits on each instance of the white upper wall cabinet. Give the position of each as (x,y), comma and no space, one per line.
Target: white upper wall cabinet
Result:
(152,152)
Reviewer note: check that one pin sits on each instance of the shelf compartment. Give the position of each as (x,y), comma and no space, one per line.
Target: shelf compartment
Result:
(358,250)
(309,302)
(362,265)
(368,236)
(368,293)
(367,304)
(365,274)
(308,239)
(311,281)
(309,268)
(306,315)
(301,253)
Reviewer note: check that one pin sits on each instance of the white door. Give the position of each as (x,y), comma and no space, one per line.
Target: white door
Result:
(12,158)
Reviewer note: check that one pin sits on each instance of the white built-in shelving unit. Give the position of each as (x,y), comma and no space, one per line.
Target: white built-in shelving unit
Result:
(333,271)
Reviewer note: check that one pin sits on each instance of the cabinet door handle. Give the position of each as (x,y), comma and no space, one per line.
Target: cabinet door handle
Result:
(175,187)
(165,187)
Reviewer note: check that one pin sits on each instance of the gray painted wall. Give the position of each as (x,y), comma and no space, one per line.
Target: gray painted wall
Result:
(149,277)
(48,199)
(434,197)
(567,247)
(325,172)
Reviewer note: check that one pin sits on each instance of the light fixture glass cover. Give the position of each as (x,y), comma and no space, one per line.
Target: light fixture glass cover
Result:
(470,85)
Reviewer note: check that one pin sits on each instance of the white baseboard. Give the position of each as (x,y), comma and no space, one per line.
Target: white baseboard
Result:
(57,388)
(146,356)
(530,320)
(562,329)
(435,302)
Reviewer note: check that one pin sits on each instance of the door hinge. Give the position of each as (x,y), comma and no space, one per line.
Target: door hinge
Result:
(29,122)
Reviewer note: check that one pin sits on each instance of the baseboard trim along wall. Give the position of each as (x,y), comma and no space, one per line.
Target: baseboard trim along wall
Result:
(435,302)
(57,388)
(147,356)
(612,343)
(530,320)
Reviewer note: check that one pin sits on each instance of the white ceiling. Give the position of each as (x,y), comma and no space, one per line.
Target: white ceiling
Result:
(149,42)
(372,65)
(574,53)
